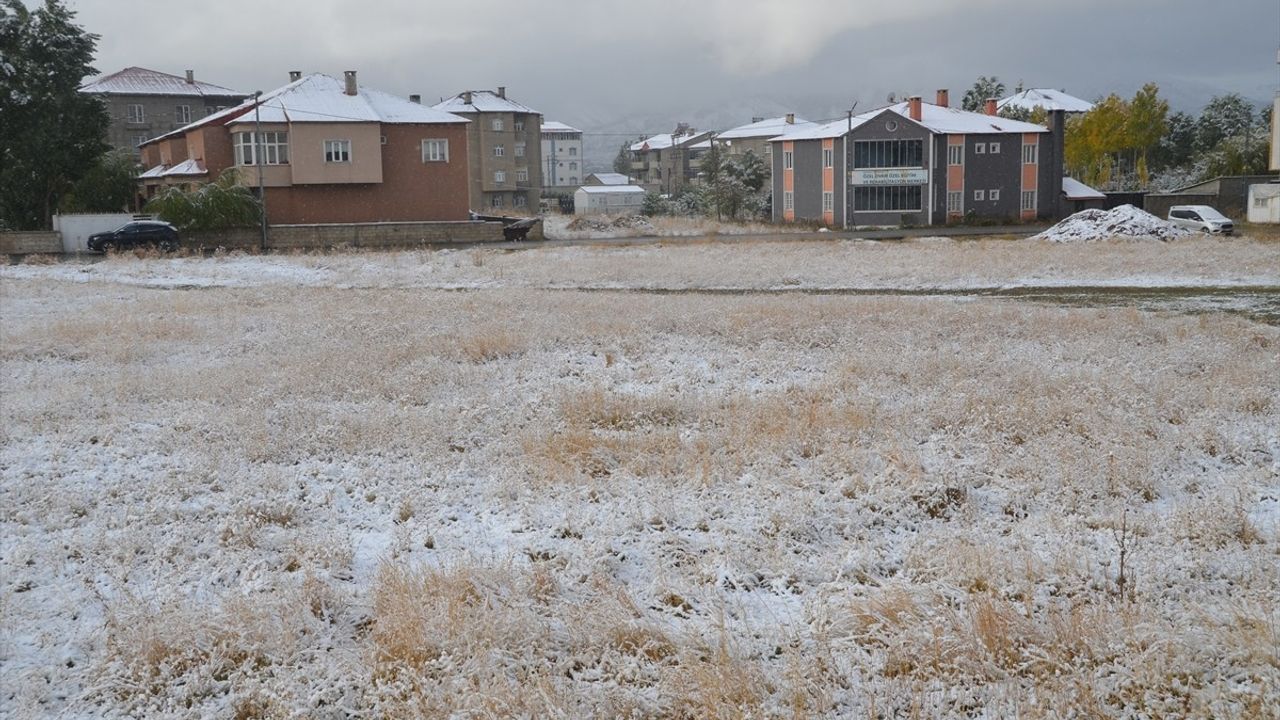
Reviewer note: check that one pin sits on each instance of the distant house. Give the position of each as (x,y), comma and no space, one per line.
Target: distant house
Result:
(561,155)
(608,199)
(1264,203)
(669,162)
(919,163)
(607,179)
(505,150)
(145,103)
(1079,196)
(755,136)
(1046,98)
(330,151)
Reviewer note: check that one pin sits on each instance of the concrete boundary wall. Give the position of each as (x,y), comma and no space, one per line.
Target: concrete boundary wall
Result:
(30,243)
(286,237)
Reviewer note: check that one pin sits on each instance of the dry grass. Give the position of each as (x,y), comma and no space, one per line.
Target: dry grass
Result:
(273,502)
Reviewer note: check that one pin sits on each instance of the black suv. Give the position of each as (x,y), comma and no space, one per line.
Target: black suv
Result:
(140,233)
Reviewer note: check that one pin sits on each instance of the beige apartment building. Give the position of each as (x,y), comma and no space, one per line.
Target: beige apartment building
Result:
(504,140)
(669,162)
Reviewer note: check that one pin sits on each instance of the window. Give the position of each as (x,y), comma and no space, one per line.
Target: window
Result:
(182,114)
(135,114)
(518,125)
(788,200)
(955,202)
(1258,202)
(275,148)
(828,158)
(138,140)
(522,174)
(495,200)
(1028,199)
(521,201)
(980,149)
(788,160)
(497,125)
(955,154)
(887,198)
(993,195)
(337,151)
(519,149)
(499,176)
(828,201)
(993,148)
(573,151)
(979,195)
(435,151)
(499,151)
(888,153)
(573,166)
(573,180)
(1030,153)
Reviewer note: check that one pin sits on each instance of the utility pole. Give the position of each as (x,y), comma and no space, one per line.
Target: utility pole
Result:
(257,158)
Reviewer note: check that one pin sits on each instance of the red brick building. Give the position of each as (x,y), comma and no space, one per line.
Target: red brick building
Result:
(330,151)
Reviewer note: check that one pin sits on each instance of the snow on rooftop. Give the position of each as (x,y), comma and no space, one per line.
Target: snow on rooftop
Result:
(321,98)
(662,141)
(1076,190)
(1046,98)
(483,101)
(935,118)
(550,126)
(611,189)
(141,81)
(767,128)
(610,178)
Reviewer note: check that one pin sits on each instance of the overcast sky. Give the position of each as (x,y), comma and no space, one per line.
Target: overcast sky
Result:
(595,63)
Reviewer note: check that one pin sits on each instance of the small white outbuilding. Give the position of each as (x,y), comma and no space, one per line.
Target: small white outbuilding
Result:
(608,199)
(1264,203)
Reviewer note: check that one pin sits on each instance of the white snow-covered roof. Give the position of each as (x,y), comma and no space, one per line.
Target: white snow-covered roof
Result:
(483,101)
(184,168)
(611,178)
(551,126)
(935,118)
(662,141)
(770,127)
(1046,98)
(611,189)
(1076,190)
(141,81)
(320,98)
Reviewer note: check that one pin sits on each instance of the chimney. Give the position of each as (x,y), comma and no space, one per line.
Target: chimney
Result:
(991,106)
(191,77)
(466,97)
(295,75)
(944,98)
(791,118)
(416,99)
(914,108)
(502,92)
(350,77)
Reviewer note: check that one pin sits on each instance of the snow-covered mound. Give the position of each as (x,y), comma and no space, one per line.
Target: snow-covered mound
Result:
(1125,221)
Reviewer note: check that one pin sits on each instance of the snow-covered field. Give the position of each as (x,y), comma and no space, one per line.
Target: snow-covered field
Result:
(473,484)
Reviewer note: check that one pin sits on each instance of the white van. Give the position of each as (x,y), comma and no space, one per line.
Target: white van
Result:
(1202,218)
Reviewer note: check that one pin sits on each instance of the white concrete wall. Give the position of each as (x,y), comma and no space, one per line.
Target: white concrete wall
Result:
(1270,212)
(76,229)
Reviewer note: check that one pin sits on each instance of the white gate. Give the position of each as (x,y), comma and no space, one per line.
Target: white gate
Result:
(77,228)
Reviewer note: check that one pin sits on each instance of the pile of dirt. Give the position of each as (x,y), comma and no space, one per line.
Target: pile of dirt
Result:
(1124,222)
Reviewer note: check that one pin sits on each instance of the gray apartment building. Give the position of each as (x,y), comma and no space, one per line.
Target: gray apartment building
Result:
(144,104)
(504,149)
(919,163)
(669,162)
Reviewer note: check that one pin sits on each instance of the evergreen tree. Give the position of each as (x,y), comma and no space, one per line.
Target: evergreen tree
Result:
(984,88)
(1225,116)
(51,134)
(109,186)
(622,161)
(218,205)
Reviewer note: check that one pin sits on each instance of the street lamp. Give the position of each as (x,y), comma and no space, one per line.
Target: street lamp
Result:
(257,158)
